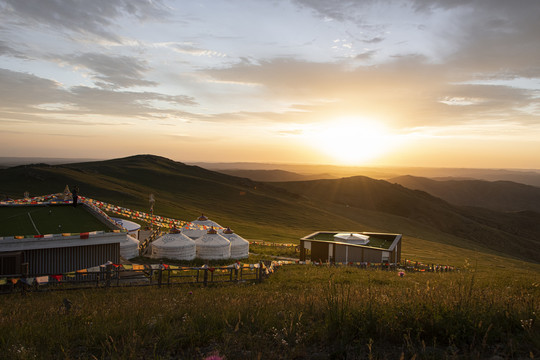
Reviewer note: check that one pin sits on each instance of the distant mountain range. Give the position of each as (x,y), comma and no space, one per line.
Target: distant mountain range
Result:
(6,162)
(288,172)
(283,210)
(495,195)
(297,172)
(275,175)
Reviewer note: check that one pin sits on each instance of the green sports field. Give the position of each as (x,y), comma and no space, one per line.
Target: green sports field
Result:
(36,220)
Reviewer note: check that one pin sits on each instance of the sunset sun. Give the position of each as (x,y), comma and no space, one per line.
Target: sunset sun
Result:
(351,141)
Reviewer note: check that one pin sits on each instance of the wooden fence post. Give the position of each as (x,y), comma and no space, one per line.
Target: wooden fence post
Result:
(160,275)
(24,273)
(108,275)
(205,281)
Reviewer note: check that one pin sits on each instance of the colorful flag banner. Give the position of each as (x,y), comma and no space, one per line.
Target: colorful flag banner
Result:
(42,279)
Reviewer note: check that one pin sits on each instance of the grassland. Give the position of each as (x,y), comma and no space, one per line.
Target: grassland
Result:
(301,312)
(489,308)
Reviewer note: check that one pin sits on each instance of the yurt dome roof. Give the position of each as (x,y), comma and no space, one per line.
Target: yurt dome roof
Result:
(126,224)
(173,241)
(212,239)
(202,218)
(174,246)
(205,221)
(239,245)
(213,246)
(232,236)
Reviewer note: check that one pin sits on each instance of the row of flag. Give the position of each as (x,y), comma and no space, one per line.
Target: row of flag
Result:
(175,269)
(160,221)
(266,243)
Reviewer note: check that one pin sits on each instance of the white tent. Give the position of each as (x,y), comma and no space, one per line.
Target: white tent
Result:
(129,247)
(352,238)
(174,246)
(132,227)
(239,245)
(199,227)
(213,246)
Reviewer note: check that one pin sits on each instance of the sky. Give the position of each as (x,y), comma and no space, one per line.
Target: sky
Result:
(433,83)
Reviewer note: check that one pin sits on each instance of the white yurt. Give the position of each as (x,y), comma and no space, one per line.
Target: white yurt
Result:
(132,227)
(213,246)
(352,238)
(129,247)
(174,246)
(199,227)
(239,245)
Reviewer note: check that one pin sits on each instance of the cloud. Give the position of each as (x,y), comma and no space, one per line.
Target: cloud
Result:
(7,50)
(294,132)
(21,90)
(185,138)
(374,40)
(29,94)
(335,10)
(125,103)
(190,49)
(84,17)
(406,92)
(367,55)
(110,71)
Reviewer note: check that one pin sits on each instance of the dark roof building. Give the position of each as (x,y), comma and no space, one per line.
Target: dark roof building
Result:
(347,247)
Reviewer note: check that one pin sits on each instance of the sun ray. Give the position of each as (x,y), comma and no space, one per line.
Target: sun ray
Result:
(351,141)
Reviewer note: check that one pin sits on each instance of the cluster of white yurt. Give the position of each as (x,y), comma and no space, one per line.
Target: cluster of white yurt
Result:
(239,245)
(213,246)
(129,247)
(174,246)
(202,238)
(199,227)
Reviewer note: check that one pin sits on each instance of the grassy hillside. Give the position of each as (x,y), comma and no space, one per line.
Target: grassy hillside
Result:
(282,212)
(516,234)
(495,195)
(181,191)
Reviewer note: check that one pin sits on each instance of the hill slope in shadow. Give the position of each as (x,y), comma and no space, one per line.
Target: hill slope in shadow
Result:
(495,195)
(181,191)
(281,211)
(516,234)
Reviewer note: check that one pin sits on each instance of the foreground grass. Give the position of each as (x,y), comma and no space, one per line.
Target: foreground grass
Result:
(299,312)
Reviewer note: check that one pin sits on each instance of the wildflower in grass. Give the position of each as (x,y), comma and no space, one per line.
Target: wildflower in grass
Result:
(401,273)
(214,356)
(190,292)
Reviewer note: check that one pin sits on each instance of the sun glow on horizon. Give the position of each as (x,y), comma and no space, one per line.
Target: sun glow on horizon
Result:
(352,140)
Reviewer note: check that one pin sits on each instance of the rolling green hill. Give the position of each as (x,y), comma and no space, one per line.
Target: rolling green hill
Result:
(181,191)
(284,212)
